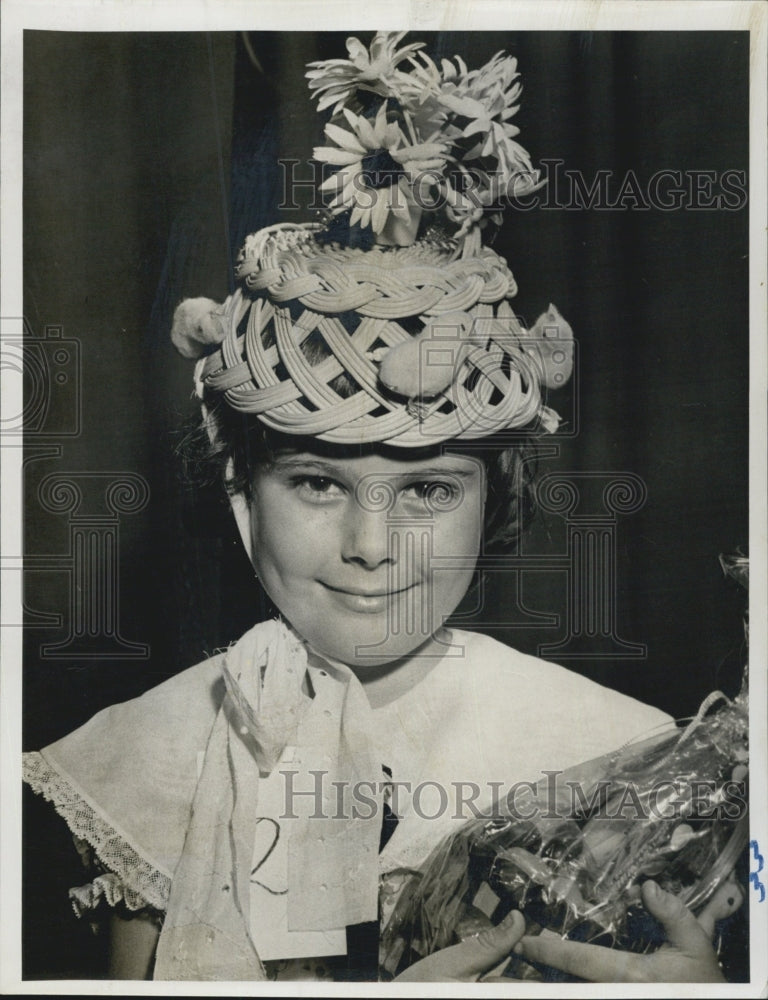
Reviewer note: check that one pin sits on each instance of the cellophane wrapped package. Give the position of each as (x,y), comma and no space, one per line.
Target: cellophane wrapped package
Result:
(572,851)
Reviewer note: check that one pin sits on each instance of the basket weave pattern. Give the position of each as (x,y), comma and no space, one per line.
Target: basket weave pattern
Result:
(352,306)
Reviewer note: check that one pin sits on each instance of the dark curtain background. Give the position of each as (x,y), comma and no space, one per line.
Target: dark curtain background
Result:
(149,157)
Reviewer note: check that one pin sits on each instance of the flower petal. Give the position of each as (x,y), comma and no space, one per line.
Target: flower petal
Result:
(356,50)
(379,212)
(350,116)
(342,179)
(344,139)
(332,183)
(332,154)
(423,150)
(366,133)
(329,98)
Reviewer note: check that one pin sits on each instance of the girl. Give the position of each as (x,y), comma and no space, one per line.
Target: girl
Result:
(252,815)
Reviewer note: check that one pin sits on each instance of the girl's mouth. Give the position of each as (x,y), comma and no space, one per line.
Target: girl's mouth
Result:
(365,601)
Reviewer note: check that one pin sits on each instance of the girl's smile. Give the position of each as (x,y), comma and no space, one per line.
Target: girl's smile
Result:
(366,556)
(366,602)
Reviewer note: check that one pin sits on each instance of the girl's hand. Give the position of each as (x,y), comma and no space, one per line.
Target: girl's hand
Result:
(466,962)
(686,957)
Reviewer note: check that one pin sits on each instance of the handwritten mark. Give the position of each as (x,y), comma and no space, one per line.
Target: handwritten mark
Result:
(271,847)
(754,877)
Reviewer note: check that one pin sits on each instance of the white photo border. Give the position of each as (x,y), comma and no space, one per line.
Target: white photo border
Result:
(471,15)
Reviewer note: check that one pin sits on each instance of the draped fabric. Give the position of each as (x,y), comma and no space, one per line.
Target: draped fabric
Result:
(170,789)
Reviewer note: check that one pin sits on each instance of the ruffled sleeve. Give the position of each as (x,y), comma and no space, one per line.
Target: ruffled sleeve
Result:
(124,784)
(120,875)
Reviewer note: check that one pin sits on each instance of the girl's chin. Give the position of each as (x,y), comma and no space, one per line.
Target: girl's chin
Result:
(361,655)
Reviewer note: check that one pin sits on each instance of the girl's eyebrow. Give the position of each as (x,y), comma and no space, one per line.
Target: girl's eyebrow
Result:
(284,462)
(442,471)
(331,469)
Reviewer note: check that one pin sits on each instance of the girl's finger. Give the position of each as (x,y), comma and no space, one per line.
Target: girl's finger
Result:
(682,928)
(472,957)
(587,961)
(725,901)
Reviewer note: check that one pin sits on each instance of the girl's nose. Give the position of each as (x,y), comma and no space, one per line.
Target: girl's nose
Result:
(367,538)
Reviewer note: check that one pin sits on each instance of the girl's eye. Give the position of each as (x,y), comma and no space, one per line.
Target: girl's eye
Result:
(318,488)
(433,493)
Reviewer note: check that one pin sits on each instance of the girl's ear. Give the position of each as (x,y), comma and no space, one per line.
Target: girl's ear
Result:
(238,501)
(242,512)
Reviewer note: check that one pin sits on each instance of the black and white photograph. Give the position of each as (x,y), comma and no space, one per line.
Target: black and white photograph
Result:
(383,467)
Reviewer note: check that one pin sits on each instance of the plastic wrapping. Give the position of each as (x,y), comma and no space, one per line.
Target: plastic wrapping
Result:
(572,852)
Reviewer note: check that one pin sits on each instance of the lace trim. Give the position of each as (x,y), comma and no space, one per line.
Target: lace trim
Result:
(130,877)
(108,887)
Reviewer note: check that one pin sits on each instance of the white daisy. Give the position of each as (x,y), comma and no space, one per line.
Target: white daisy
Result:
(486,97)
(335,81)
(460,104)
(378,168)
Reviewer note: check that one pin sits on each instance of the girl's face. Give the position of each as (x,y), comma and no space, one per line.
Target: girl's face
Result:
(367,556)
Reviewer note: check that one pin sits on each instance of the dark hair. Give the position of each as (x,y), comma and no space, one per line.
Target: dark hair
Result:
(510,462)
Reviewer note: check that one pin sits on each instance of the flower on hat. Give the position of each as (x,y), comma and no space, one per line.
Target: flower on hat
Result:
(486,98)
(471,109)
(474,195)
(335,81)
(378,166)
(448,123)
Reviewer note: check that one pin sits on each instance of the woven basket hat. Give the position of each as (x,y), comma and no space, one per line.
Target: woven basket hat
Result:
(405,345)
